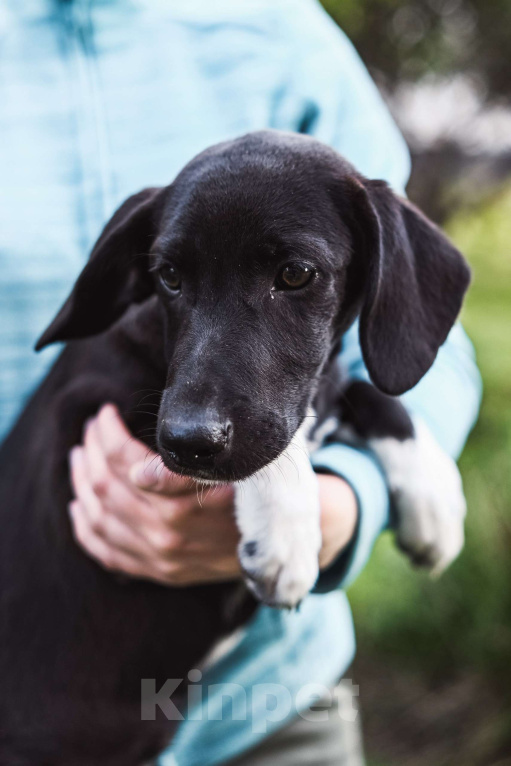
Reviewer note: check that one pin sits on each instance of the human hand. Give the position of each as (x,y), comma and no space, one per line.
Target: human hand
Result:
(134,516)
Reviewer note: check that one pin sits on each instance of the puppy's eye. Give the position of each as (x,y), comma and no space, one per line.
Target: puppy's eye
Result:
(294,276)
(171,278)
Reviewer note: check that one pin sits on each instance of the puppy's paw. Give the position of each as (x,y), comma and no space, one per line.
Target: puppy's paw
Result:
(428,497)
(282,567)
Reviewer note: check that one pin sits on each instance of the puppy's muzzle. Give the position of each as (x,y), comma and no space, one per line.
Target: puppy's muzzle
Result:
(195,444)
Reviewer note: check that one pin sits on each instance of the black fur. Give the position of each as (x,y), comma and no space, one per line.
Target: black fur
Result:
(372,414)
(75,641)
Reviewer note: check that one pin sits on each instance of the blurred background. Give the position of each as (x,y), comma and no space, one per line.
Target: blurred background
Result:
(434,659)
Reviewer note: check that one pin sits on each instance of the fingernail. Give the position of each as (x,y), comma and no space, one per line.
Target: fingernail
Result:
(110,411)
(144,475)
(75,456)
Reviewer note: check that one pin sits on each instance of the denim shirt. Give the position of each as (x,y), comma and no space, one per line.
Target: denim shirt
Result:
(99,98)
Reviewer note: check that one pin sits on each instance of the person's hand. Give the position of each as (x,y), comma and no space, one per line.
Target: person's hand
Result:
(135,517)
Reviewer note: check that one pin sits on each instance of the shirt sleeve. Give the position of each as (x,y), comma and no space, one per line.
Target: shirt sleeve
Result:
(345,110)
(341,104)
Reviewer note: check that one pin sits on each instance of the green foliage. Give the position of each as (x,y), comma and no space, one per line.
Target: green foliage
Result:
(406,39)
(461,622)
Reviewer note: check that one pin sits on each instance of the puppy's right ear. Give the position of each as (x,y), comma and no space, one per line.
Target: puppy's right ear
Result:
(116,274)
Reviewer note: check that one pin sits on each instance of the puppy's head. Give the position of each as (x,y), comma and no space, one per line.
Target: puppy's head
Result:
(262,252)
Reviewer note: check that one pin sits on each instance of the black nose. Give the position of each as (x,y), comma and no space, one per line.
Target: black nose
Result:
(194,443)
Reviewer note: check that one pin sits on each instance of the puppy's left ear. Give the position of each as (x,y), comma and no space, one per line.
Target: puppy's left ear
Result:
(116,274)
(415,280)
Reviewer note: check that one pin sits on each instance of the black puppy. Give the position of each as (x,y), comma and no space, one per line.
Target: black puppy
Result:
(227,291)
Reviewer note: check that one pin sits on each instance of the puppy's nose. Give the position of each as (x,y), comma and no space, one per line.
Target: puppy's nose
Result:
(195,443)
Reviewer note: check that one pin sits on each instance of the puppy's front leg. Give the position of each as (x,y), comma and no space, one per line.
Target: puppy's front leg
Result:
(428,495)
(278,515)
(423,479)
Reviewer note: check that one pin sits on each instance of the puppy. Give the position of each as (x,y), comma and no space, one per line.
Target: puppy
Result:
(229,292)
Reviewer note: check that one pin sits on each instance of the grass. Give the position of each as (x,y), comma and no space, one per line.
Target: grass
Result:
(460,625)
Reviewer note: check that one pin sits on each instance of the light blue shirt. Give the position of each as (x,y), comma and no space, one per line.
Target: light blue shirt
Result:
(99,98)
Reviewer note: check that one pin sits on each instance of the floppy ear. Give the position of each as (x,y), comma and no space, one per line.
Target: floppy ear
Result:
(116,274)
(415,280)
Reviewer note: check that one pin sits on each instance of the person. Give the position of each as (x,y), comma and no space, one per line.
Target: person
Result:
(101,98)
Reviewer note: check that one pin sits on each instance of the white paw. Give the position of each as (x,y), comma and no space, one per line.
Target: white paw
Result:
(428,497)
(278,515)
(281,568)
